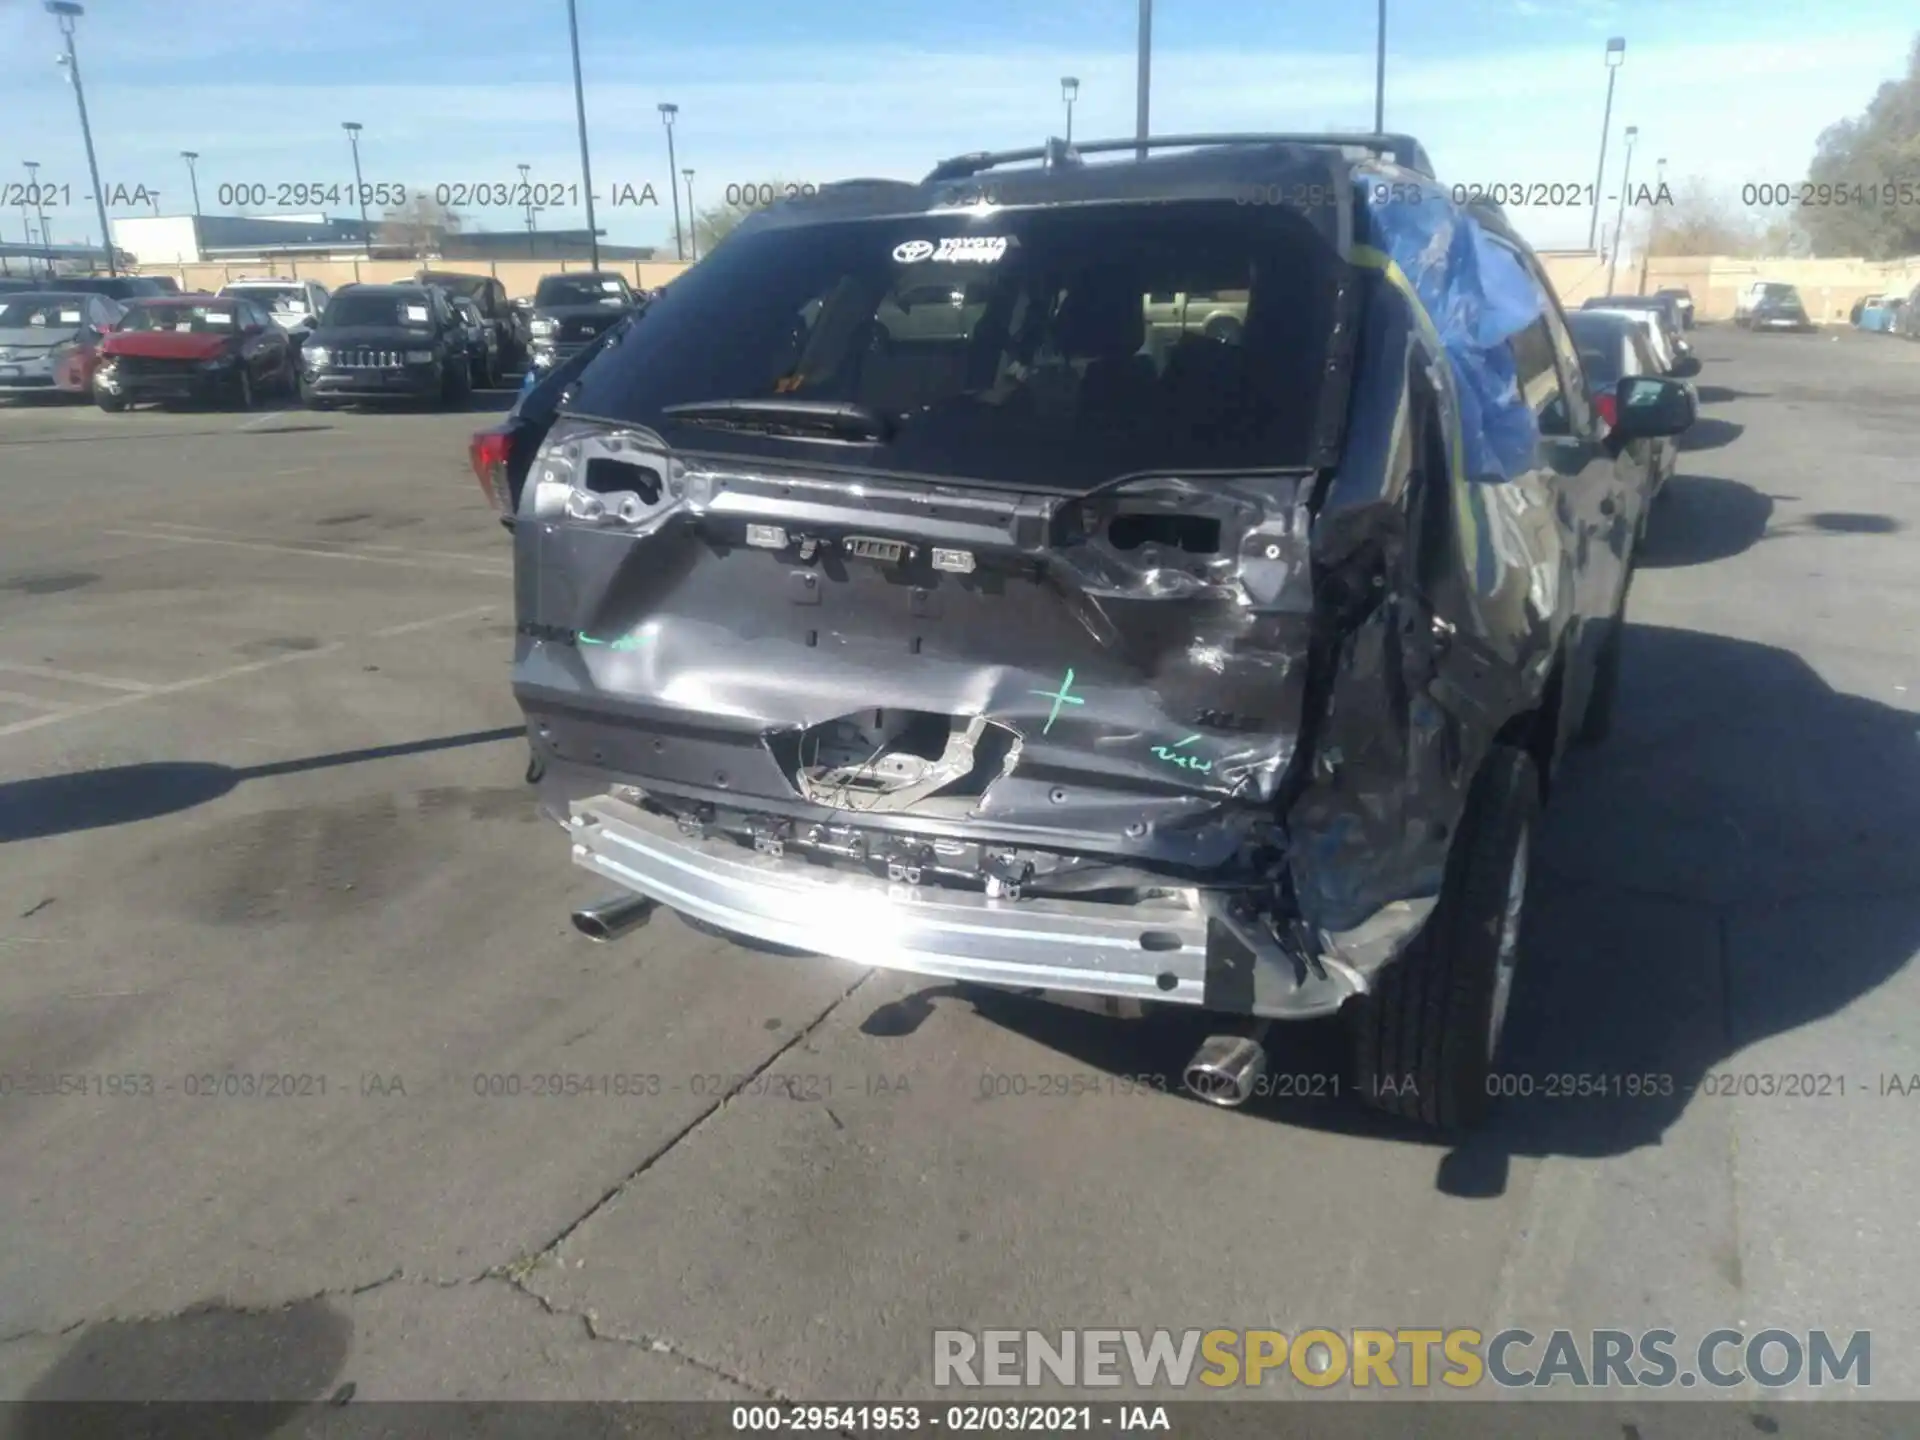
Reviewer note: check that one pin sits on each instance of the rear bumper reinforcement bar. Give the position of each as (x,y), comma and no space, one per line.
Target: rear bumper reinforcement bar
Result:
(1180,950)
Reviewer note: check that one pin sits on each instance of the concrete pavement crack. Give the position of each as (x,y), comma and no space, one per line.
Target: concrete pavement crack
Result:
(654,1344)
(525,1266)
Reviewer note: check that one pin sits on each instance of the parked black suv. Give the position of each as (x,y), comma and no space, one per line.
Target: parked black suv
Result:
(386,342)
(570,309)
(509,328)
(914,586)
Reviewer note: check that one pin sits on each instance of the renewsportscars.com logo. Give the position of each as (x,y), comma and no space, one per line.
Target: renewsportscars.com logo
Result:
(1458,1358)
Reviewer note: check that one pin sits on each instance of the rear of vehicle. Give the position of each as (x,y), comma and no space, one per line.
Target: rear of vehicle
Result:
(489,297)
(570,311)
(1683,301)
(1614,346)
(385,342)
(50,342)
(1778,307)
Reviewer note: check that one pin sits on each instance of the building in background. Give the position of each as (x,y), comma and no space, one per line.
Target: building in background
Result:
(261,239)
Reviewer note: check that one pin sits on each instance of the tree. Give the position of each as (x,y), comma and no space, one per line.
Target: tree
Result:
(1866,161)
(417,227)
(1699,222)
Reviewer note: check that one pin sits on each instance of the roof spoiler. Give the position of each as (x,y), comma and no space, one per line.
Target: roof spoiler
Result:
(1402,150)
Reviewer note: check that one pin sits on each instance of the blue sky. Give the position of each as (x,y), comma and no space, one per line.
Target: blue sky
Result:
(466,90)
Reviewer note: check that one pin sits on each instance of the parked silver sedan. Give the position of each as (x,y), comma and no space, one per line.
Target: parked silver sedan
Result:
(49,341)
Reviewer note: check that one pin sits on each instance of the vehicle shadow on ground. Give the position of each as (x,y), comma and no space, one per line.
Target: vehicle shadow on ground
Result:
(1736,862)
(98,799)
(1721,394)
(1707,433)
(236,1374)
(1698,519)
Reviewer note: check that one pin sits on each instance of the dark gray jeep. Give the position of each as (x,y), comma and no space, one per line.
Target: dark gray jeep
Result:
(915,587)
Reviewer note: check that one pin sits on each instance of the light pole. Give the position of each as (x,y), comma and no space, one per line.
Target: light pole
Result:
(1143,82)
(352,127)
(667,113)
(193,177)
(1616,55)
(580,114)
(1069,92)
(692,234)
(1620,221)
(39,207)
(66,12)
(1380,72)
(526,188)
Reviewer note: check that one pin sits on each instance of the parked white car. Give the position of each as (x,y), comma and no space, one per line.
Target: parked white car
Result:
(295,305)
(1750,294)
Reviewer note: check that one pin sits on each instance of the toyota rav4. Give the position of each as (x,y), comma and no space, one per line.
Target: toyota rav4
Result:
(919,585)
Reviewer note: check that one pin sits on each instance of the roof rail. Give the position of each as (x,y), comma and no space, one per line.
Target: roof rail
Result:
(1401,149)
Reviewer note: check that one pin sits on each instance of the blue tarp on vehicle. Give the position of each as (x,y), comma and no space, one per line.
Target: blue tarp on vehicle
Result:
(1477,294)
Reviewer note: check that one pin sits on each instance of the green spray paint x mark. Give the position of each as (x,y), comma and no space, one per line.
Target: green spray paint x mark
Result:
(1059,697)
(1190,762)
(625,642)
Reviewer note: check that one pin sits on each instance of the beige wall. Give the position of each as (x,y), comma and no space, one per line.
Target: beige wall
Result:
(519,276)
(1828,287)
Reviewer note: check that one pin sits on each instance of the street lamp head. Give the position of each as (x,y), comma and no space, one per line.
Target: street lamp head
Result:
(1069,87)
(1633,132)
(189,155)
(1616,50)
(65,8)
(686,172)
(351,126)
(667,111)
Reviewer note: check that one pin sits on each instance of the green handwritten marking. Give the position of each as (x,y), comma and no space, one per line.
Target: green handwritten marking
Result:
(1186,762)
(1059,697)
(625,642)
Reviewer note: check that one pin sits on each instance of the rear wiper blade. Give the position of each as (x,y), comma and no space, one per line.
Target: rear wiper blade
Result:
(840,418)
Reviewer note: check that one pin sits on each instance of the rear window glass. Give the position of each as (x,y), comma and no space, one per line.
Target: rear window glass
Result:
(1055,348)
(183,319)
(1600,348)
(379,310)
(581,290)
(66,313)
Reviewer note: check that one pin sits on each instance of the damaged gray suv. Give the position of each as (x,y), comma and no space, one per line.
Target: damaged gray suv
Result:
(918,586)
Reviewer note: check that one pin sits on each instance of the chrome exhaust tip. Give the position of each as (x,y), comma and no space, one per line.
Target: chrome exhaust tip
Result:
(1225,1069)
(610,919)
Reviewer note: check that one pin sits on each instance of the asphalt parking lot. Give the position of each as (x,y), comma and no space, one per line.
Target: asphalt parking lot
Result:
(263,815)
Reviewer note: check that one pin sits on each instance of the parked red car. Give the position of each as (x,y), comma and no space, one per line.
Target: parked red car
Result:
(212,349)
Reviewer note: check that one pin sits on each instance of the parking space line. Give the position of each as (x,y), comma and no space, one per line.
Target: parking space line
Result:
(253,667)
(32,702)
(199,530)
(74,677)
(423,561)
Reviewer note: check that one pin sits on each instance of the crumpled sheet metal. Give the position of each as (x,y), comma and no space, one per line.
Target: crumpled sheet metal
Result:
(1475,295)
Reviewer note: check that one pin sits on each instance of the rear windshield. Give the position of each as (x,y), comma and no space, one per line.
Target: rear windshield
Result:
(397,310)
(1600,340)
(183,319)
(1054,348)
(581,290)
(53,312)
(1779,292)
(472,286)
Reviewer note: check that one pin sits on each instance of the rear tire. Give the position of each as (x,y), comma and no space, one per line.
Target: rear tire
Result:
(243,395)
(1425,1039)
(112,404)
(459,386)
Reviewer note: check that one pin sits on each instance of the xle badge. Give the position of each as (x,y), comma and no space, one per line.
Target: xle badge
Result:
(872,547)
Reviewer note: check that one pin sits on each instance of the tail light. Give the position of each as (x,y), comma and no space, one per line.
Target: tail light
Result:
(488,453)
(1609,408)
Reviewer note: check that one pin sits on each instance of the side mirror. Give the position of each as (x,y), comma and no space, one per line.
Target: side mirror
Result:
(1649,407)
